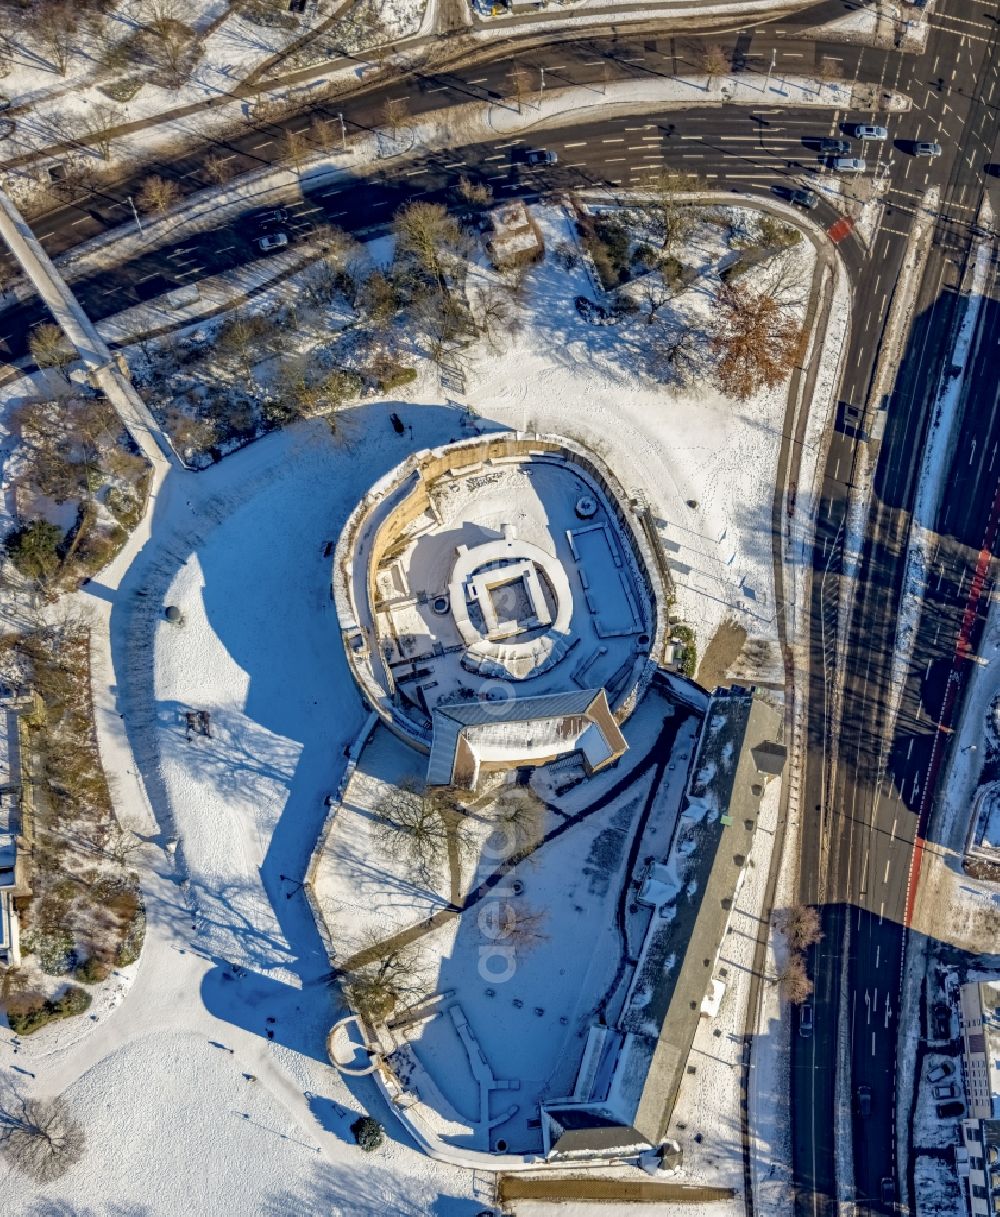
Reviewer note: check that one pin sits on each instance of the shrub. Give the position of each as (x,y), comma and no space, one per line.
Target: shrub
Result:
(93,970)
(367,1132)
(773,232)
(29,1012)
(34,549)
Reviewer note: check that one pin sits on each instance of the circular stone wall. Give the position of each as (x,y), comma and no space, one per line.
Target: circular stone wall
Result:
(472,567)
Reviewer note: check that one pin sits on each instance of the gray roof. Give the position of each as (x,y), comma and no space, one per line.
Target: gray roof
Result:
(724,774)
(450,717)
(677,958)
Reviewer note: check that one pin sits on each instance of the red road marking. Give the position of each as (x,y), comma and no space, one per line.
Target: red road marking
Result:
(963,652)
(840,228)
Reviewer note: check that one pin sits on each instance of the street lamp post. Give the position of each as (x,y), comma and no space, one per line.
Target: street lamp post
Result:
(774,59)
(343,131)
(138,222)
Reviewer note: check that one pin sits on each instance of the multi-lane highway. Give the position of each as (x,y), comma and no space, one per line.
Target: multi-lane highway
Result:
(869,808)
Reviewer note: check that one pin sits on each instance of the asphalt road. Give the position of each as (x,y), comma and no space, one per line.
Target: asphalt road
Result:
(858,846)
(868,812)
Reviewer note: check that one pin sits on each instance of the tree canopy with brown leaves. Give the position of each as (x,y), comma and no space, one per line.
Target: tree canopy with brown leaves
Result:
(756,341)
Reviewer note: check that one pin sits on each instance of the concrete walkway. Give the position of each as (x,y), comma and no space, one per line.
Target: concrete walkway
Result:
(102,371)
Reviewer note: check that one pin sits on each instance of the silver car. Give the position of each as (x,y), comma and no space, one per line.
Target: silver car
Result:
(849,164)
(867,131)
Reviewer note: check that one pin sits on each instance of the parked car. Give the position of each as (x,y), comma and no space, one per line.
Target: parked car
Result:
(940,1071)
(848,164)
(596,314)
(926,147)
(541,156)
(273,240)
(946,1090)
(835,147)
(948,1111)
(941,1020)
(864,1101)
(867,131)
(888,1190)
(806,1020)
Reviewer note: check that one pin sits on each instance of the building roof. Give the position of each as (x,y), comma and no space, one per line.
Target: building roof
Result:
(714,832)
(577,718)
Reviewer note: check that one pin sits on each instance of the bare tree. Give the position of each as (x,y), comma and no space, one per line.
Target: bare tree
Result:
(157,194)
(394,111)
(520,83)
(296,146)
(55,24)
(800,925)
(49,347)
(525,927)
(122,844)
(670,216)
(479,194)
(676,353)
(97,124)
(417,827)
(793,979)
(497,315)
(383,976)
(39,1137)
(520,814)
(219,169)
(756,342)
(429,235)
(714,63)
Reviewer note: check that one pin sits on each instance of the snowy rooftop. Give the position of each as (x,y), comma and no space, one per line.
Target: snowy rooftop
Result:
(494,570)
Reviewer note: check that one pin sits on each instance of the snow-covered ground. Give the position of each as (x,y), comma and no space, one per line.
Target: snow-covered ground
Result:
(240,548)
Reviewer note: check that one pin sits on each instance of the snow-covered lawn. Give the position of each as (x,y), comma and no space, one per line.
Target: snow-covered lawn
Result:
(243,550)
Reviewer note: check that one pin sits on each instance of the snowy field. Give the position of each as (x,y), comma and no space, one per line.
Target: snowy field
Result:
(233,959)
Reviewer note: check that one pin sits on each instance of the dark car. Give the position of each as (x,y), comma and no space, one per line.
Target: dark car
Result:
(888,1190)
(948,1111)
(864,1101)
(541,156)
(596,314)
(804,198)
(834,147)
(806,1021)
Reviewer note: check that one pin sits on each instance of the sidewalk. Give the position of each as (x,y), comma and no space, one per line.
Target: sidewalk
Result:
(368,67)
(81,332)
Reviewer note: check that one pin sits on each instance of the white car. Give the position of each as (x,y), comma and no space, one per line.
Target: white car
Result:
(273,240)
(867,131)
(849,164)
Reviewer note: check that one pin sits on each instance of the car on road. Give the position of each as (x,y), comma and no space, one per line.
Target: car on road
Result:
(806,1020)
(888,1189)
(939,1072)
(848,164)
(804,198)
(926,147)
(946,1090)
(272,241)
(864,1101)
(541,156)
(278,216)
(829,146)
(868,131)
